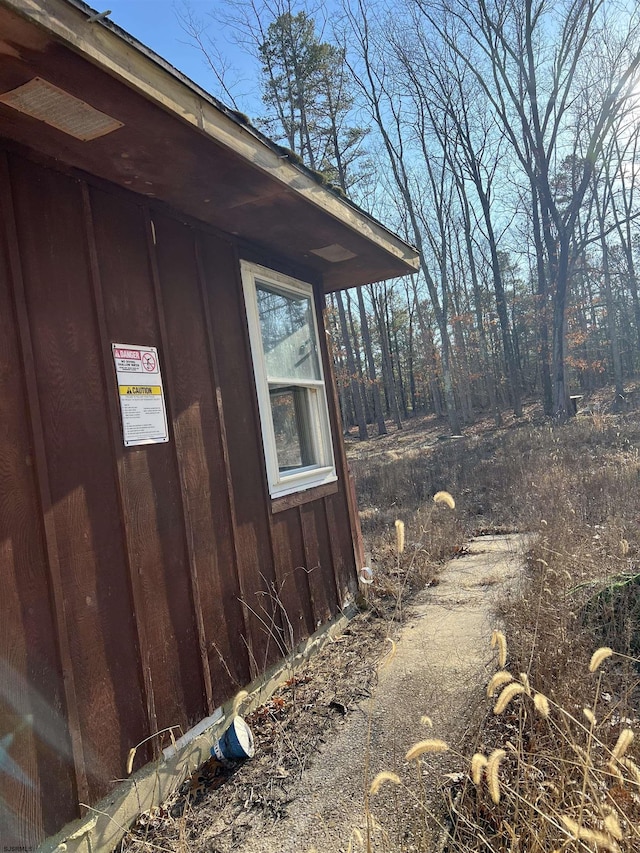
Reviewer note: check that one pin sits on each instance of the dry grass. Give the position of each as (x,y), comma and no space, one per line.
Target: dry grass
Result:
(576,485)
(554,767)
(567,780)
(546,777)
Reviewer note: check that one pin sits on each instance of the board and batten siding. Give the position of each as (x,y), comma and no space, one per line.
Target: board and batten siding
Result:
(136,583)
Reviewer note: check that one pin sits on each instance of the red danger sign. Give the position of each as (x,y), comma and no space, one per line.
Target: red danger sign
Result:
(142,403)
(127,353)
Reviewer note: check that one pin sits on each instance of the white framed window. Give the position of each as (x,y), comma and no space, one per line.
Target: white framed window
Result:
(287,365)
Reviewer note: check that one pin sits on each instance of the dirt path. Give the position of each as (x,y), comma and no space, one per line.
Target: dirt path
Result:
(305,788)
(441,664)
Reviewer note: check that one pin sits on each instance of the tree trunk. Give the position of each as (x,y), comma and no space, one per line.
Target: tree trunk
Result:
(410,356)
(561,408)
(351,368)
(395,359)
(541,307)
(611,324)
(428,342)
(503,313)
(358,359)
(449,395)
(371,365)
(387,370)
(485,358)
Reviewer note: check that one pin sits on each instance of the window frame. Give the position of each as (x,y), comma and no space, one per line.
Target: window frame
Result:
(300,479)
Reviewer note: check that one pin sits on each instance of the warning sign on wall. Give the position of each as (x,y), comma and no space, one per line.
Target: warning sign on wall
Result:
(144,414)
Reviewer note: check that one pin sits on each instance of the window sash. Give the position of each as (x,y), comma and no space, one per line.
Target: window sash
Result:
(288,323)
(296,427)
(307,418)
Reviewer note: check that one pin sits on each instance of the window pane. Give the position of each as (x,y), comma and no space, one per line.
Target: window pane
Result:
(288,336)
(292,428)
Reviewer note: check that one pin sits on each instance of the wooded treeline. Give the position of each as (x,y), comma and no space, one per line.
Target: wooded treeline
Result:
(500,137)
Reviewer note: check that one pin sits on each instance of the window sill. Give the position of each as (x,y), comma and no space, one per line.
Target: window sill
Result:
(315,493)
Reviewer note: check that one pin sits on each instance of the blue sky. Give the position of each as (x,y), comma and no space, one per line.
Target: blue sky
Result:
(156,24)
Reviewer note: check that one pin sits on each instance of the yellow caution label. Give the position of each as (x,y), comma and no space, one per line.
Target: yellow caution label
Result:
(140,390)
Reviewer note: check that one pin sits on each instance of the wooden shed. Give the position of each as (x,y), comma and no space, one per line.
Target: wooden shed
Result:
(175,506)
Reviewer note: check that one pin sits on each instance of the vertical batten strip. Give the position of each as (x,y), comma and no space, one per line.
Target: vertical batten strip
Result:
(213,362)
(342,464)
(331,524)
(42,477)
(317,616)
(186,521)
(330,390)
(114,420)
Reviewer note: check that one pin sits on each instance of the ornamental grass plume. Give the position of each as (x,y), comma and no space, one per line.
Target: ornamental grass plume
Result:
(130,757)
(498,639)
(582,833)
(357,836)
(383,776)
(506,696)
(599,656)
(238,701)
(432,745)
(612,825)
(623,743)
(501,677)
(541,704)
(524,680)
(444,499)
(478,763)
(632,768)
(614,770)
(386,660)
(493,765)
(399,536)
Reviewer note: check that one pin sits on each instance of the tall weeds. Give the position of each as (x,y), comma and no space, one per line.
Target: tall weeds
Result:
(555,767)
(545,776)
(567,778)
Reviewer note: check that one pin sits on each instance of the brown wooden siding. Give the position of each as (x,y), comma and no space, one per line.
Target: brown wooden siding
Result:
(32,692)
(141,587)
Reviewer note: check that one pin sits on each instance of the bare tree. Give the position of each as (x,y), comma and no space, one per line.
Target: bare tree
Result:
(385,107)
(534,63)
(450,111)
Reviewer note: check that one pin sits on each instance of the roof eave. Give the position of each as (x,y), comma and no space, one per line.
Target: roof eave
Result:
(109,47)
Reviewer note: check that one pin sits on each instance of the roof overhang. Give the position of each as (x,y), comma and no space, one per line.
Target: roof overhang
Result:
(160,135)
